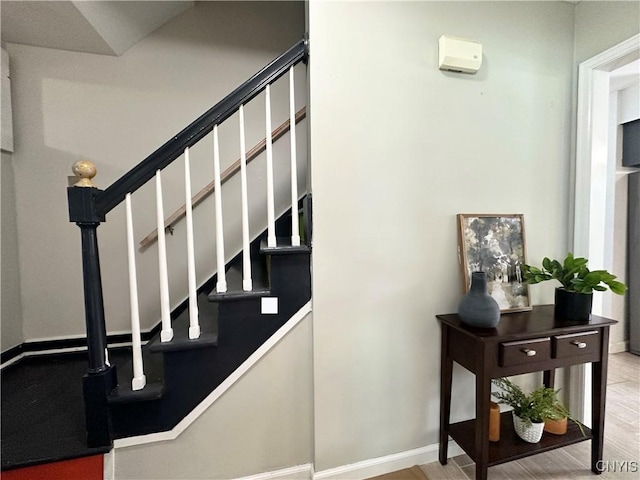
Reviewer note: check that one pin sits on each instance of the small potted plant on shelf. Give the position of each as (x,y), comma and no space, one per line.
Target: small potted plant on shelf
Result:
(573,300)
(529,411)
(557,422)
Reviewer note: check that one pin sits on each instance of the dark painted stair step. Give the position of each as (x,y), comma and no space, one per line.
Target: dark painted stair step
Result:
(153,359)
(153,390)
(283,247)
(208,320)
(260,284)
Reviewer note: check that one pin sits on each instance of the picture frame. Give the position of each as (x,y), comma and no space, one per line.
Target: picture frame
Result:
(495,244)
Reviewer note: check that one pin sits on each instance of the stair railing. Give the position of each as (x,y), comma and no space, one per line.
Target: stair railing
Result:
(88,207)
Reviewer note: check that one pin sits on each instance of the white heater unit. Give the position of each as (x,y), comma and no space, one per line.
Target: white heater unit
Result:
(459,55)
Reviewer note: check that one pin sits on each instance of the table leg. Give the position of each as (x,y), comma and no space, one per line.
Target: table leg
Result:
(598,392)
(483,397)
(549,378)
(446,370)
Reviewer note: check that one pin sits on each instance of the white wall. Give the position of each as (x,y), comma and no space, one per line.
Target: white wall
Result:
(11,307)
(264,423)
(398,149)
(600,25)
(626,105)
(629,104)
(114,112)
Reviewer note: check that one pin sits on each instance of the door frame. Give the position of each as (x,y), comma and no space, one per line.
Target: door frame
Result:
(594,177)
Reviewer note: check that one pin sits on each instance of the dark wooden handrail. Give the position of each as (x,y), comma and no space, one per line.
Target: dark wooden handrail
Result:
(167,153)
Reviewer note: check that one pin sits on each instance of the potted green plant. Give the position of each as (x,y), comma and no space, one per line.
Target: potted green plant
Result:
(529,411)
(556,423)
(573,300)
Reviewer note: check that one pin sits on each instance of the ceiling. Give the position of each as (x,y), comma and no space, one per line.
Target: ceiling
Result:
(102,27)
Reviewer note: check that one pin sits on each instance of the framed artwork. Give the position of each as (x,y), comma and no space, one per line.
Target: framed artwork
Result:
(495,244)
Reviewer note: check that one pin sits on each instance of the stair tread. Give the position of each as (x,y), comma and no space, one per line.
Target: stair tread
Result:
(205,340)
(208,320)
(283,247)
(125,394)
(154,372)
(260,284)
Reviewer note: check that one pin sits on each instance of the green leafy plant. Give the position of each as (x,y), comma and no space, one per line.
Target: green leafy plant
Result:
(533,408)
(574,276)
(538,406)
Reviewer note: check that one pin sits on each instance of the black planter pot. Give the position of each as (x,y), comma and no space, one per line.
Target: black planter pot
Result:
(573,305)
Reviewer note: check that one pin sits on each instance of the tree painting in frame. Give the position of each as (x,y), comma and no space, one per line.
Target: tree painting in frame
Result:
(495,244)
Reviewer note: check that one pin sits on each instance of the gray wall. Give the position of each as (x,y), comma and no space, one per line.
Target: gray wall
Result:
(11,307)
(601,25)
(411,146)
(264,423)
(115,111)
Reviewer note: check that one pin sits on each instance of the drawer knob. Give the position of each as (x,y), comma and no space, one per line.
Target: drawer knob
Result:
(579,344)
(529,352)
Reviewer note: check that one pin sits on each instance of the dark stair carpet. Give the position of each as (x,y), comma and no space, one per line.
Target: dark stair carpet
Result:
(43,409)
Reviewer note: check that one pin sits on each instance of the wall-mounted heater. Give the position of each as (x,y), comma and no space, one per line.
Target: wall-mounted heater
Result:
(459,55)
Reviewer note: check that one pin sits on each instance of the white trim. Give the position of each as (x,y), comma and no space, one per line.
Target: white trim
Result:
(361,470)
(109,465)
(299,472)
(590,97)
(619,347)
(221,389)
(42,352)
(54,351)
(387,464)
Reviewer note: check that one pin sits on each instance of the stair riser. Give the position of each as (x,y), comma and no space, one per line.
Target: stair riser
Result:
(291,276)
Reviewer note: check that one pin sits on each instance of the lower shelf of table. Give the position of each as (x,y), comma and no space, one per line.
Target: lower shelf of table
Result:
(511,447)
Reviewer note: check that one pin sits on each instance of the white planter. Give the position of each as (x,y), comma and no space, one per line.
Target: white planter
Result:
(531,433)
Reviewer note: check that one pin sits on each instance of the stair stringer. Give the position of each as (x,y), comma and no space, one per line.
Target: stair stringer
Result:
(219,391)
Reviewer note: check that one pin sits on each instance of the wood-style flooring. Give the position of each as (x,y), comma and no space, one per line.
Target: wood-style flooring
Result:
(621,444)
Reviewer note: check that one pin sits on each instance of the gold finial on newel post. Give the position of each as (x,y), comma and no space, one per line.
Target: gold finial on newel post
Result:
(85,171)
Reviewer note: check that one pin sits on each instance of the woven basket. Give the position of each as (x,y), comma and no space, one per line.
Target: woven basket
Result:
(531,433)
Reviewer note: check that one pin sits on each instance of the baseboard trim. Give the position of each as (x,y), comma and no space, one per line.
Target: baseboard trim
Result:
(387,464)
(300,472)
(361,470)
(66,345)
(619,347)
(109,466)
(221,389)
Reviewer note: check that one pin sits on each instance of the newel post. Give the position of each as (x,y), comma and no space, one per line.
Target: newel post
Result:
(101,377)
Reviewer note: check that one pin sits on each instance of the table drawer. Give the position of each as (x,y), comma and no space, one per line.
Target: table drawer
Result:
(525,351)
(572,344)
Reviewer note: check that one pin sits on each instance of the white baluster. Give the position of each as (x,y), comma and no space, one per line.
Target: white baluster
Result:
(139,380)
(221,285)
(246,254)
(194,326)
(166,334)
(271,223)
(295,229)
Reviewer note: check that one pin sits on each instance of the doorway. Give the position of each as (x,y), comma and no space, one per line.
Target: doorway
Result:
(595,185)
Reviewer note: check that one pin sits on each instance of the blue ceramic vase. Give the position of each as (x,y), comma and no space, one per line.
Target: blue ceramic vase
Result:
(477,308)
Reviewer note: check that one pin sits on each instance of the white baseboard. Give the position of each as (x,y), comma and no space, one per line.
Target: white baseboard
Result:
(619,347)
(387,464)
(361,470)
(109,465)
(300,472)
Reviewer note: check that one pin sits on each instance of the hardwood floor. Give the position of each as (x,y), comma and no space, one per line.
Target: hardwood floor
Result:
(621,444)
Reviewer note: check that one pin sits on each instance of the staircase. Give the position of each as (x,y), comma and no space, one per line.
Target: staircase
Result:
(183,372)
(215,330)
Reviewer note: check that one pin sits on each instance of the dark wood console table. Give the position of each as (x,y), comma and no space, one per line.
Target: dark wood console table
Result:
(522,342)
